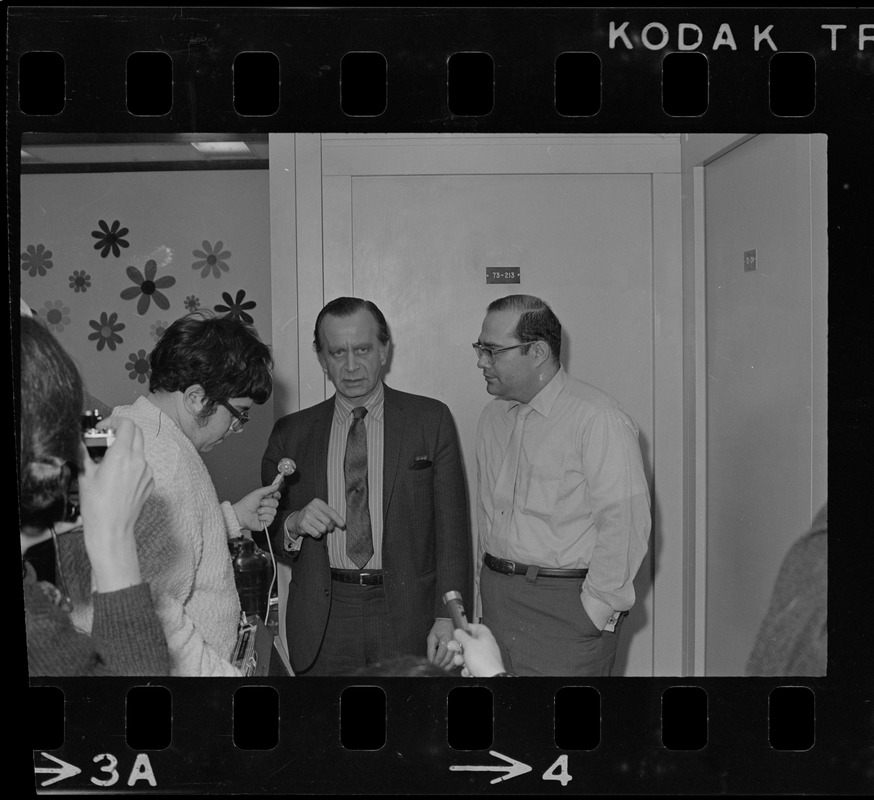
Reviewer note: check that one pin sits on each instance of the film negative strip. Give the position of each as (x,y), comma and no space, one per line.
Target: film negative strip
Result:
(692,78)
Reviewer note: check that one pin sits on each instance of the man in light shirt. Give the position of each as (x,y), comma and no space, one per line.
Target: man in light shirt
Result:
(375,520)
(563,510)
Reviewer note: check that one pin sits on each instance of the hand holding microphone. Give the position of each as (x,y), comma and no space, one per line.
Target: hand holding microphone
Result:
(478,652)
(474,646)
(257,509)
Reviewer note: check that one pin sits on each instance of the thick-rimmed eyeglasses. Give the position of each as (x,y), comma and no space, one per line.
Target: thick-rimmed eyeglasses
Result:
(240,418)
(491,352)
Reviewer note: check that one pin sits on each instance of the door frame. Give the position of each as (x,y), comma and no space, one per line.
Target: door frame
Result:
(305,248)
(697,151)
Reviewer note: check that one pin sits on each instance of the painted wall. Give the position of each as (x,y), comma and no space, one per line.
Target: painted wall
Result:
(202,236)
(766,376)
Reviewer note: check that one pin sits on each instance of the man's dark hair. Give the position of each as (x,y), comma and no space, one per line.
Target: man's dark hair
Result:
(50,425)
(346,307)
(537,321)
(221,353)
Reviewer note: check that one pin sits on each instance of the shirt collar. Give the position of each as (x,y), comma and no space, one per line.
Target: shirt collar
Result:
(544,400)
(375,404)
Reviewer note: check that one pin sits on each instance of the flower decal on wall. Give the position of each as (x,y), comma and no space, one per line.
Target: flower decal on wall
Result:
(138,366)
(36,260)
(80,281)
(236,308)
(192,303)
(147,287)
(56,315)
(110,238)
(157,329)
(106,331)
(212,260)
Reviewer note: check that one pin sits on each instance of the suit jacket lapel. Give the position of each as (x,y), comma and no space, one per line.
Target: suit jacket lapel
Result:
(393,436)
(321,437)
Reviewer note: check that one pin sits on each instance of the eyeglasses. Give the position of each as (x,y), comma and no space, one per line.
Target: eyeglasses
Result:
(491,352)
(240,417)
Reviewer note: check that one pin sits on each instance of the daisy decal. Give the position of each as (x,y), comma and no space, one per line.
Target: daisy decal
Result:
(106,331)
(192,303)
(138,366)
(37,260)
(147,287)
(156,331)
(80,281)
(56,315)
(109,238)
(212,259)
(236,308)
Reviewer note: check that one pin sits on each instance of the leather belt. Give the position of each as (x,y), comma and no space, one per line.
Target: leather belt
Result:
(507,567)
(360,577)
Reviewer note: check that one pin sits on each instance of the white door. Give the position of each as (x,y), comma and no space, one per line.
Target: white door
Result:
(766,376)
(416,227)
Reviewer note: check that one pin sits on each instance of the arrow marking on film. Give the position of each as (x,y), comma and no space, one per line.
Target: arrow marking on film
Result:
(514,769)
(61,772)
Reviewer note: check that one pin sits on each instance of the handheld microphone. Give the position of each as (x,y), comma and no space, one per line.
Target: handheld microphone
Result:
(285,467)
(456,610)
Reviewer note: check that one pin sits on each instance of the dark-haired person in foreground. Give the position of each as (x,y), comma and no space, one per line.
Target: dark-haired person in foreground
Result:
(375,520)
(563,504)
(206,372)
(127,638)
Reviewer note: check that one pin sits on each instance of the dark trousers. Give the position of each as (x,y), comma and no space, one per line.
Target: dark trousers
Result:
(542,627)
(358,633)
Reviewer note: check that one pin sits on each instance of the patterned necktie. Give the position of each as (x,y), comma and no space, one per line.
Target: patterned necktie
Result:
(505,485)
(359,539)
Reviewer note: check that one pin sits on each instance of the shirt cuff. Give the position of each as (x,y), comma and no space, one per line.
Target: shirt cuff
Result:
(600,613)
(232,524)
(291,544)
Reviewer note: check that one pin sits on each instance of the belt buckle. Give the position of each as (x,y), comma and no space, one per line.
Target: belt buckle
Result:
(361,578)
(506,566)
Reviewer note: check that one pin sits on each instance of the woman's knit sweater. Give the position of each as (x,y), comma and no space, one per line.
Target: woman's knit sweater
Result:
(182,543)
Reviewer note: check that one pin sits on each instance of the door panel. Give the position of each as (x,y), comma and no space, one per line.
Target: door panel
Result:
(420,249)
(766,378)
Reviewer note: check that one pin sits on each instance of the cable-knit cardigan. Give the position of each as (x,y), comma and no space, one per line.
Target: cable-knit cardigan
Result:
(182,543)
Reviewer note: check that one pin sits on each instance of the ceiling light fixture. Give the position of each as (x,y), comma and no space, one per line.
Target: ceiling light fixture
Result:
(222,149)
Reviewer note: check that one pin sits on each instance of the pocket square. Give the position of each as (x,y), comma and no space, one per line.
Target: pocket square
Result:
(421,462)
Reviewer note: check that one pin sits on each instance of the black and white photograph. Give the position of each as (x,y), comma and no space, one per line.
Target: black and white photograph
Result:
(415,404)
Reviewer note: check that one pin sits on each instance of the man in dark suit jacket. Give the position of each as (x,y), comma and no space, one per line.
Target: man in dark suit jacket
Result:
(347,610)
